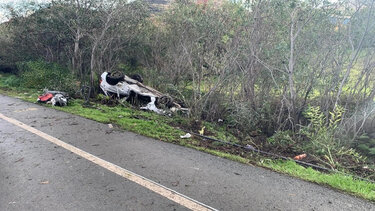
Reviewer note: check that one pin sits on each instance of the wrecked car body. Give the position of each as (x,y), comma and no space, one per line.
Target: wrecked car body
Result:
(123,86)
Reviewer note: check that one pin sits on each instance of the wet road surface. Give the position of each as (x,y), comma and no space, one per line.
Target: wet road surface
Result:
(36,174)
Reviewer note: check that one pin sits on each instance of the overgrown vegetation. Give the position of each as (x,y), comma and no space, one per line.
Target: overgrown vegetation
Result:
(40,74)
(161,128)
(284,76)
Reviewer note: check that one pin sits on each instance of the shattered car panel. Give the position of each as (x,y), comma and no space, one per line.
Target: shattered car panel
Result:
(56,98)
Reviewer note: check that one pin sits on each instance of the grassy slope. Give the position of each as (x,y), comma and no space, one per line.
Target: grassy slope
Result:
(159,127)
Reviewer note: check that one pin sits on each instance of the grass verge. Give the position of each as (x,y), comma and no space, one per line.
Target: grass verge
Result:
(335,180)
(161,128)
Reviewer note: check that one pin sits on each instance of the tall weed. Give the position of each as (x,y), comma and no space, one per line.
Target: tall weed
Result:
(323,143)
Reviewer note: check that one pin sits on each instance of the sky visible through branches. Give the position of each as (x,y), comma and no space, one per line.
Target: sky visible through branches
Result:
(15,3)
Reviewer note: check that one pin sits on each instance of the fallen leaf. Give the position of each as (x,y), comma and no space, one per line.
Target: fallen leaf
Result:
(201,132)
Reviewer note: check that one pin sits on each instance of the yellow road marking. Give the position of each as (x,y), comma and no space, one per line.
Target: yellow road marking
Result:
(147,183)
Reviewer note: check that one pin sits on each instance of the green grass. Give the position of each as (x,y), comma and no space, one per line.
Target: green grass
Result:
(339,181)
(144,123)
(160,127)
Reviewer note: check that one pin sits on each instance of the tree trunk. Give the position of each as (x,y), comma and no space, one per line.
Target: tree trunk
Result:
(292,88)
(92,69)
(75,59)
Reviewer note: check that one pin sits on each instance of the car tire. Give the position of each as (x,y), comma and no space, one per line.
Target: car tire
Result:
(115,77)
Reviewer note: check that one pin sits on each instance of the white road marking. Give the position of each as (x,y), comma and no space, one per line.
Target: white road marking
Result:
(147,183)
(25,110)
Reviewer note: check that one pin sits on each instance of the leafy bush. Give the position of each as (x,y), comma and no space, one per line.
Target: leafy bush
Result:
(364,148)
(323,143)
(372,151)
(281,141)
(12,81)
(243,117)
(40,74)
(366,145)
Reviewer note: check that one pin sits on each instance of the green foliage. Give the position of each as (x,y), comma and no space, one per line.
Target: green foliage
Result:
(322,140)
(219,132)
(372,151)
(101,97)
(159,127)
(12,81)
(320,133)
(223,61)
(364,148)
(281,141)
(130,69)
(366,145)
(40,74)
(363,137)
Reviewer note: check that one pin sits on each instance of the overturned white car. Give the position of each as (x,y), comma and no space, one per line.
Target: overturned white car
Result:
(125,87)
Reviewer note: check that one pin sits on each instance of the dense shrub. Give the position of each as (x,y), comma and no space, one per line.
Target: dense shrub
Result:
(40,75)
(282,141)
(12,81)
(366,145)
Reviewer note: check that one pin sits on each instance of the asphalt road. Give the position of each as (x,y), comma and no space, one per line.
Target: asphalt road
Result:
(36,174)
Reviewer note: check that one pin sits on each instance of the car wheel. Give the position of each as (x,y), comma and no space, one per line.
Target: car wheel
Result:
(115,77)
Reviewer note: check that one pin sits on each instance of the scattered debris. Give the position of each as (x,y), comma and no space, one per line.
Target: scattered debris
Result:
(110,126)
(248,146)
(56,98)
(152,107)
(175,183)
(44,182)
(300,157)
(187,135)
(45,98)
(59,100)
